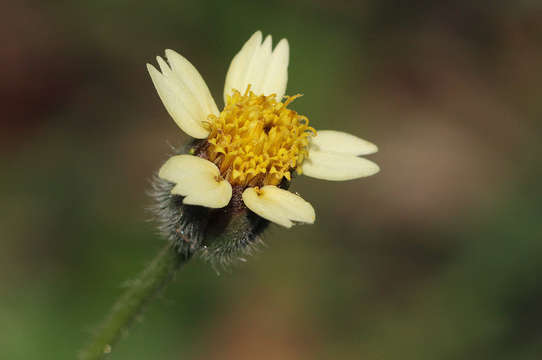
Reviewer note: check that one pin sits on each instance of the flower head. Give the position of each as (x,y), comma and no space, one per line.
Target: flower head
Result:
(246,155)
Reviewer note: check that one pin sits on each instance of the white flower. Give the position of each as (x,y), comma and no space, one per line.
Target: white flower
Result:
(254,144)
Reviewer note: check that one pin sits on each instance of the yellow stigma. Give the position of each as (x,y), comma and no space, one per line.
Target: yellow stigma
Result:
(256,140)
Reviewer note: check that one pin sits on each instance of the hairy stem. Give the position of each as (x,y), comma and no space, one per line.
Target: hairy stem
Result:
(142,289)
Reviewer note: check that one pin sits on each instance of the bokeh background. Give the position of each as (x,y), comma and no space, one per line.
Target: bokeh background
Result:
(437,257)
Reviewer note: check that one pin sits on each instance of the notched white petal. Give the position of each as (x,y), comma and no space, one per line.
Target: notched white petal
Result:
(184,94)
(266,70)
(198,180)
(237,71)
(276,77)
(336,166)
(342,143)
(258,66)
(279,206)
(193,80)
(185,115)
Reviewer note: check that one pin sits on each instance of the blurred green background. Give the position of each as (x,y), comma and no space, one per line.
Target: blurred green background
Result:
(437,257)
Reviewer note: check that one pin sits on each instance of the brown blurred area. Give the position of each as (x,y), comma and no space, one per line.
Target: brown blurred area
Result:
(436,257)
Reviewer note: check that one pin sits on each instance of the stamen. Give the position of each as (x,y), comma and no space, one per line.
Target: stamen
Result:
(256,140)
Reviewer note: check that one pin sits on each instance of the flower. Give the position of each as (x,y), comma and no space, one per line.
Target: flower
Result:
(248,152)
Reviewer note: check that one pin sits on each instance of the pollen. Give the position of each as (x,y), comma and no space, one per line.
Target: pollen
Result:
(256,140)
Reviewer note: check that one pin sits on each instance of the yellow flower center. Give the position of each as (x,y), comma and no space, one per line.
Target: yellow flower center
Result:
(256,140)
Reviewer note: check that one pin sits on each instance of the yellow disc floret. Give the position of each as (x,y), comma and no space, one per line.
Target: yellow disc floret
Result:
(256,140)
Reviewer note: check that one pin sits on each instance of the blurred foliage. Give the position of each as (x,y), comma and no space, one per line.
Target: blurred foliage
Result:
(437,257)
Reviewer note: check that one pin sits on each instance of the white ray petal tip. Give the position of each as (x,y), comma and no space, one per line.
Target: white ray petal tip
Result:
(170,52)
(283,43)
(375,169)
(151,68)
(268,41)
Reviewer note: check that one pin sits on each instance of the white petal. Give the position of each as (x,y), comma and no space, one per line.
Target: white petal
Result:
(193,80)
(265,70)
(255,73)
(184,94)
(186,98)
(198,180)
(337,167)
(276,76)
(235,76)
(341,142)
(278,205)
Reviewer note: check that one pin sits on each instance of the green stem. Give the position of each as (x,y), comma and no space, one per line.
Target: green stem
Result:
(153,279)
